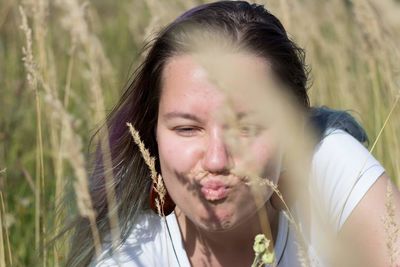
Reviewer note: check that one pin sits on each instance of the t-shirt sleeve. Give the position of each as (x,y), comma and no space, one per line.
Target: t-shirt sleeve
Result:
(342,172)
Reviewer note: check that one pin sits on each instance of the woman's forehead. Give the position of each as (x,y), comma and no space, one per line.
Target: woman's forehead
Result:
(182,74)
(201,77)
(204,63)
(187,88)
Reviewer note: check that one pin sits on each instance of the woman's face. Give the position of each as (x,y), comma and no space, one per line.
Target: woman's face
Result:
(197,162)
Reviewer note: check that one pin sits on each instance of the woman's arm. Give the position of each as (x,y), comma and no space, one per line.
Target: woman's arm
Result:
(364,230)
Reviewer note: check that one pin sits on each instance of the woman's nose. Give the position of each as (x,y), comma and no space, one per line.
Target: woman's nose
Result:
(217,158)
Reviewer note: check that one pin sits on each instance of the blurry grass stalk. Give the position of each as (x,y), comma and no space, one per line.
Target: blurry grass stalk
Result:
(261,97)
(78,28)
(2,242)
(392,228)
(47,71)
(4,226)
(39,180)
(59,166)
(385,123)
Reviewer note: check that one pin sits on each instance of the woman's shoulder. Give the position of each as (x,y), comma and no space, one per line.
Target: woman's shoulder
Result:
(343,170)
(145,243)
(339,151)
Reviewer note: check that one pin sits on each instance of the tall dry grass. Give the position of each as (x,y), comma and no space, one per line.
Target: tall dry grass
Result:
(63,64)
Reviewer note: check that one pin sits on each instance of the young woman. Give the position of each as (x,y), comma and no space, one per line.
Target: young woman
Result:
(212,212)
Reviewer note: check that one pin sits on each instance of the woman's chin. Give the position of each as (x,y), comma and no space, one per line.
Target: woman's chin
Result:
(217,226)
(219,220)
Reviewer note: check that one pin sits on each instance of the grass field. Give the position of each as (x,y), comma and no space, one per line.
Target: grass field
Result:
(64,63)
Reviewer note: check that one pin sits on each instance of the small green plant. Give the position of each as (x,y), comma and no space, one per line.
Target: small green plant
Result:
(262,254)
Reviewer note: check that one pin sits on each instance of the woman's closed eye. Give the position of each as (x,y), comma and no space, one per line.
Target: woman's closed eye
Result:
(250,130)
(186,131)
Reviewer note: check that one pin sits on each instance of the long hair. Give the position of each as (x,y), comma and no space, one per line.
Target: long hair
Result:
(243,24)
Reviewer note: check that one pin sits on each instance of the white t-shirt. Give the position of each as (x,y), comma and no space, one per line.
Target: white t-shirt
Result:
(342,171)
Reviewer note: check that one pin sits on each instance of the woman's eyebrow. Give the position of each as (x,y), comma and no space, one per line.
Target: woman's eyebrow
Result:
(241,115)
(184,115)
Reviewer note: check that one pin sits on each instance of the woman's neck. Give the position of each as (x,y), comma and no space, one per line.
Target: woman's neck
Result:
(228,248)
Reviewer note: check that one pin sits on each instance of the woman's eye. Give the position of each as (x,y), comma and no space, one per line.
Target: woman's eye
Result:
(186,131)
(250,130)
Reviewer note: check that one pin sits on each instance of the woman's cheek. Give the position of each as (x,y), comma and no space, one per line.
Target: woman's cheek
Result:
(262,151)
(178,157)
(180,154)
(265,157)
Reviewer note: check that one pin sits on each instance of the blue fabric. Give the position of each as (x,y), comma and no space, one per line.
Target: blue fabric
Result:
(322,118)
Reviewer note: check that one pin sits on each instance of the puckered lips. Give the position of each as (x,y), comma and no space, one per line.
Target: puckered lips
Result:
(214,189)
